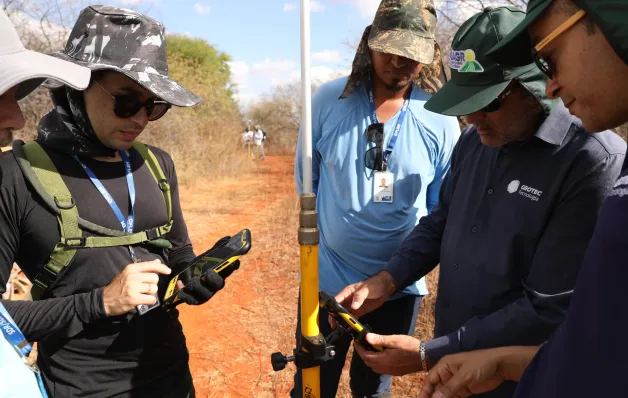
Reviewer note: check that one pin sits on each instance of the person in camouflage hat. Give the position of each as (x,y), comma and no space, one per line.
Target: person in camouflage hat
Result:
(404,28)
(110,39)
(379,160)
(92,341)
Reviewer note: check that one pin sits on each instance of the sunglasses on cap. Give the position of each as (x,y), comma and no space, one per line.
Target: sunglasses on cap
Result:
(373,158)
(125,105)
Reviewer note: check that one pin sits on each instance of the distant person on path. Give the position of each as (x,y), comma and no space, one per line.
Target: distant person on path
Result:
(95,234)
(514,216)
(247,139)
(370,126)
(258,138)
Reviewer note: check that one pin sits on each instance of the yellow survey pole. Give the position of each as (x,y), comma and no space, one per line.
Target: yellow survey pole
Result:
(308,222)
(313,348)
(308,240)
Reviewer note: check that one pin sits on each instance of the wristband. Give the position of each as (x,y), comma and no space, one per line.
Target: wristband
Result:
(423,357)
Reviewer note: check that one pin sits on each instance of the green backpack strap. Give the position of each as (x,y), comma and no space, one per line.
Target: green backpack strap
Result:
(158,175)
(67,217)
(41,172)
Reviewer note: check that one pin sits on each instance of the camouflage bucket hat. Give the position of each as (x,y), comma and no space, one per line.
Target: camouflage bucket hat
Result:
(125,41)
(404,28)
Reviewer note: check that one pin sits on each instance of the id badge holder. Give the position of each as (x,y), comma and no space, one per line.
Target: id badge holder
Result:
(383,187)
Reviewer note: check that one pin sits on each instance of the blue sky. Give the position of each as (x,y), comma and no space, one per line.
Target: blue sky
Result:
(262,36)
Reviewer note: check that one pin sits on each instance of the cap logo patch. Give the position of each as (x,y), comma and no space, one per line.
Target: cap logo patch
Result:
(464,61)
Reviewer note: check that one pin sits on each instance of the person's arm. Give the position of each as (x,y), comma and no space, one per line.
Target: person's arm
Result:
(476,372)
(548,285)
(419,253)
(449,138)
(66,315)
(181,252)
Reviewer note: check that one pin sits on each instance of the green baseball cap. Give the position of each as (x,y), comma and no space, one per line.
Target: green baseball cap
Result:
(477,80)
(609,15)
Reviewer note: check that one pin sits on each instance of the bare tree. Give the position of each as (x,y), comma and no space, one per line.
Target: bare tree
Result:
(279,115)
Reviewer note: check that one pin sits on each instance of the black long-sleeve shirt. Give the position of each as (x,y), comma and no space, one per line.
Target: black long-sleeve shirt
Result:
(510,231)
(82,352)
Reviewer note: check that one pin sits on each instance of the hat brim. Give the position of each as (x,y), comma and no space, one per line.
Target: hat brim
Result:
(28,69)
(516,48)
(160,86)
(402,42)
(457,100)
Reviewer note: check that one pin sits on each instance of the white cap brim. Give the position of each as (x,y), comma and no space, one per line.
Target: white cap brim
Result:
(28,69)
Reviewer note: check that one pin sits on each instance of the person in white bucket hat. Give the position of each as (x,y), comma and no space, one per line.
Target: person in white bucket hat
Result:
(22,71)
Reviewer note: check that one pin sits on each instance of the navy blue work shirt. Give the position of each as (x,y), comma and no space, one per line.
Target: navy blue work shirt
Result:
(510,231)
(586,357)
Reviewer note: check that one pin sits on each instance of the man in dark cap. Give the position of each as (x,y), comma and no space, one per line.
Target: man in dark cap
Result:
(508,231)
(94,274)
(582,45)
(368,127)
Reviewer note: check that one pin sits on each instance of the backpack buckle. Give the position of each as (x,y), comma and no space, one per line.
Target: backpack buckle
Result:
(65,206)
(75,242)
(152,234)
(163,185)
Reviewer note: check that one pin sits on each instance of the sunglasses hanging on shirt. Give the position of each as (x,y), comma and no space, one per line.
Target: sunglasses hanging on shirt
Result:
(373,158)
(377,158)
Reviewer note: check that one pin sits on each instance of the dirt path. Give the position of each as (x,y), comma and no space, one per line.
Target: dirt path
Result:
(232,337)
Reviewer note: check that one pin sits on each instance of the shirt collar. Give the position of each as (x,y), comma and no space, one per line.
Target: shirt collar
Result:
(556,125)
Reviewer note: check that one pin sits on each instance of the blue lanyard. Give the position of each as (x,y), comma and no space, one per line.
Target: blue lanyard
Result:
(12,333)
(15,337)
(402,115)
(127,225)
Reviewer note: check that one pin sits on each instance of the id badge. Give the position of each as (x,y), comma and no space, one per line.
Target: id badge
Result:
(383,187)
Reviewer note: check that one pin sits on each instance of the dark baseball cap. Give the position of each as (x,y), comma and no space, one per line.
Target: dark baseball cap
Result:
(609,15)
(477,80)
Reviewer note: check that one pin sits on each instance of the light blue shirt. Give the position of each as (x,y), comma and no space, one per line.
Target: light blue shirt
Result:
(16,380)
(358,236)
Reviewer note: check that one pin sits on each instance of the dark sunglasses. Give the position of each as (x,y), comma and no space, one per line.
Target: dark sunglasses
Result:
(125,106)
(373,158)
(497,103)
(542,64)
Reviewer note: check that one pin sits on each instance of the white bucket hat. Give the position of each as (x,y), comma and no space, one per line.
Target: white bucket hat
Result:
(28,69)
